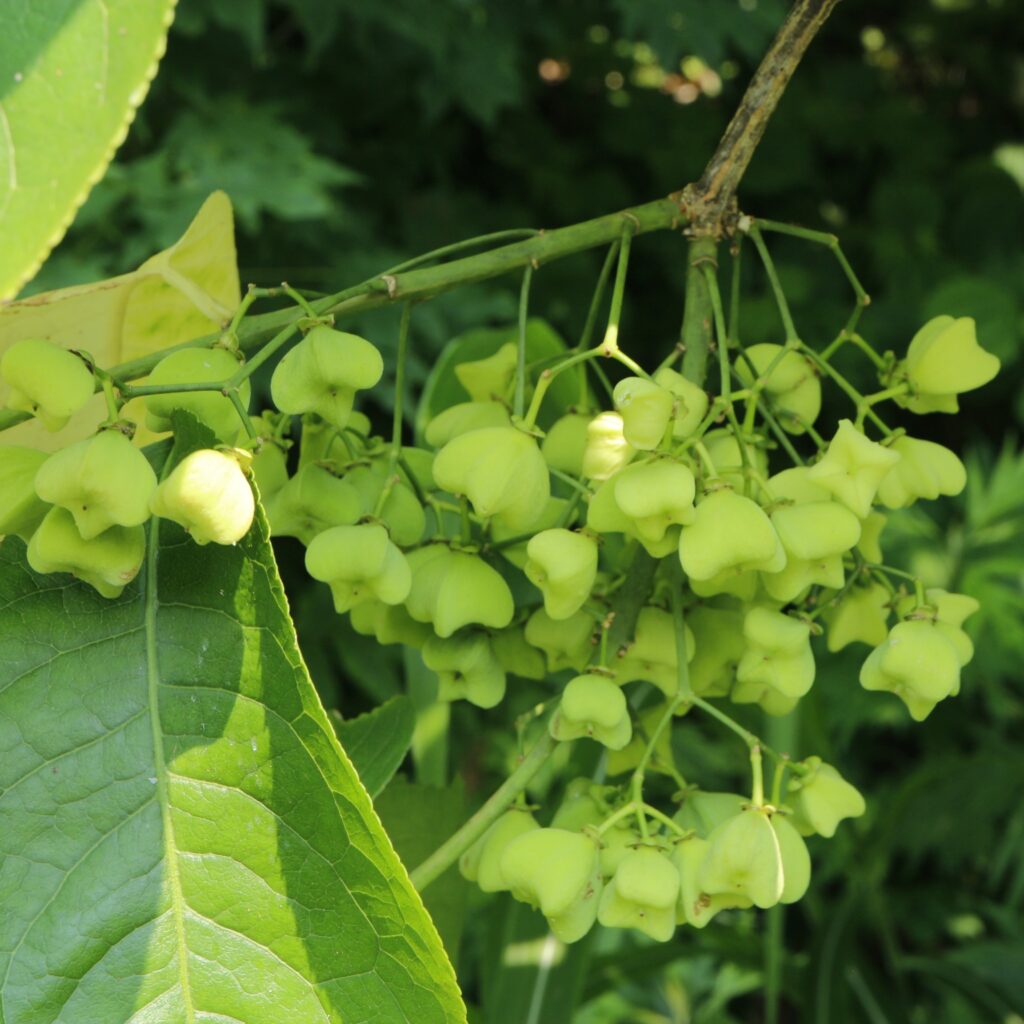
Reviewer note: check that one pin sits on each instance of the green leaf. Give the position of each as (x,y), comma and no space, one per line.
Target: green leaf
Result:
(419,819)
(443,389)
(73,75)
(378,741)
(183,838)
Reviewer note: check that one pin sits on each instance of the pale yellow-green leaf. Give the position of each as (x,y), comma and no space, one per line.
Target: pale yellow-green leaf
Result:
(72,75)
(179,294)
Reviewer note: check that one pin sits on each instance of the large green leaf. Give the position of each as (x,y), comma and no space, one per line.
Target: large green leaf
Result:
(72,74)
(183,840)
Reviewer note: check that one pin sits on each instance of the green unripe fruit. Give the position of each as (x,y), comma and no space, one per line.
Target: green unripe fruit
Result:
(925,470)
(322,373)
(207,494)
(648,724)
(796,485)
(821,798)
(564,444)
(566,643)
(592,705)
(557,872)
(211,408)
(793,390)
(269,469)
(870,543)
(517,657)
(481,863)
(862,616)
(652,655)
(313,500)
(467,669)
(579,810)
(645,409)
(462,418)
(615,844)
(553,515)
(389,624)
(695,906)
(502,473)
(917,663)
(816,530)
(563,565)
(452,589)
(796,861)
(729,532)
(778,656)
(401,512)
(21,511)
(947,612)
(703,811)
(853,468)
(103,481)
(944,360)
(727,457)
(718,647)
(690,402)
(45,380)
(655,495)
(743,584)
(108,563)
(321,441)
(490,378)
(359,563)
(801,574)
(607,449)
(744,859)
(642,895)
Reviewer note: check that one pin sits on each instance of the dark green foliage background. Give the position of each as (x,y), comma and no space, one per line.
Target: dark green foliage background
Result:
(351,134)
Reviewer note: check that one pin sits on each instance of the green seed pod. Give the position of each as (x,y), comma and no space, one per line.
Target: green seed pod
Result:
(816,530)
(108,563)
(648,722)
(870,545)
(490,379)
(727,457)
(925,470)
(592,705)
(322,373)
(211,408)
(502,473)
(313,500)
(556,871)
(642,895)
(564,444)
(45,380)
(566,643)
(207,494)
(917,663)
(553,515)
(796,861)
(652,655)
(793,390)
(466,668)
(778,656)
(402,513)
(862,616)
(655,495)
(563,565)
(607,449)
(744,859)
(729,532)
(517,657)
(269,470)
(821,798)
(21,511)
(578,810)
(462,418)
(696,907)
(359,563)
(646,410)
(103,481)
(853,467)
(690,402)
(615,844)
(481,863)
(944,360)
(389,624)
(704,812)
(947,612)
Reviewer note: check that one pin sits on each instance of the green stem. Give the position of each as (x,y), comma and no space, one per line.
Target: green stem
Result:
(243,413)
(397,420)
(299,298)
(610,344)
(511,234)
(449,851)
(697,314)
(524,305)
(846,387)
(776,285)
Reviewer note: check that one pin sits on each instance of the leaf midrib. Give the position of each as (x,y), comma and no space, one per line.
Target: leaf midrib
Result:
(160,766)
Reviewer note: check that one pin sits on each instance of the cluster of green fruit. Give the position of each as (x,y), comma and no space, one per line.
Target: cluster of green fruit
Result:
(497,549)
(83,509)
(720,851)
